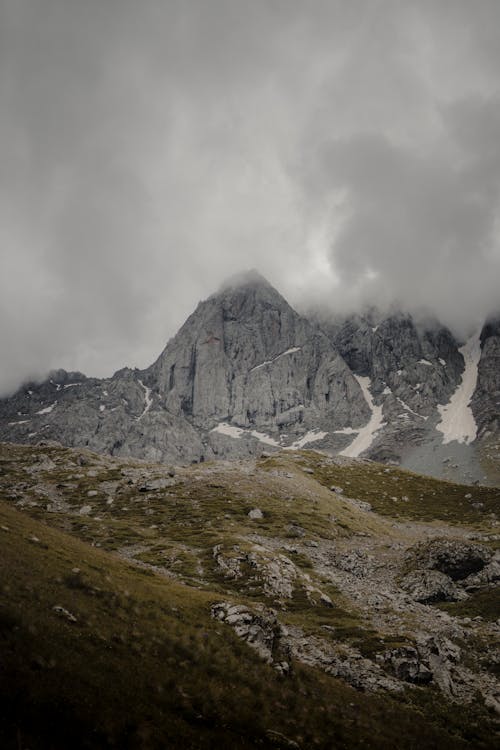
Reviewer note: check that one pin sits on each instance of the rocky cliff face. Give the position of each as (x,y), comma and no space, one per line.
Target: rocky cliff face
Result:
(246,357)
(246,371)
(486,400)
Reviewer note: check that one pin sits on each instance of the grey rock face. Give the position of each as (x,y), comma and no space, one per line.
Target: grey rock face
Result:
(244,357)
(428,586)
(453,557)
(246,371)
(486,400)
(247,358)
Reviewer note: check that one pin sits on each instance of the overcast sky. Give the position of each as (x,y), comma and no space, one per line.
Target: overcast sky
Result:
(349,150)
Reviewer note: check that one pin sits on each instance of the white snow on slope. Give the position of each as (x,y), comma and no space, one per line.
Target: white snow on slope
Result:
(21,421)
(238,432)
(147,399)
(310,437)
(71,385)
(367,433)
(457,420)
(425,362)
(263,438)
(229,430)
(47,409)
(270,361)
(408,408)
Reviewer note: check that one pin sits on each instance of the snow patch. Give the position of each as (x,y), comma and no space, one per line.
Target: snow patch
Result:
(21,421)
(70,385)
(442,361)
(310,437)
(47,409)
(263,438)
(229,430)
(223,428)
(367,433)
(102,407)
(270,361)
(457,420)
(425,362)
(147,399)
(408,408)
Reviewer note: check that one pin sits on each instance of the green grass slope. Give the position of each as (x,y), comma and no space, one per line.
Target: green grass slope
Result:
(143,665)
(96,652)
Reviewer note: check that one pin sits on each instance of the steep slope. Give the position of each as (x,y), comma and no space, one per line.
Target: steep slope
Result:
(486,400)
(428,391)
(247,372)
(244,358)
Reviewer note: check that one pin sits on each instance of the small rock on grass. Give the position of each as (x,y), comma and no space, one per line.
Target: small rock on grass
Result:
(62,612)
(255,514)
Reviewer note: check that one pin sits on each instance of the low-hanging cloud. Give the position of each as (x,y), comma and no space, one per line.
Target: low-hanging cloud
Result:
(149,150)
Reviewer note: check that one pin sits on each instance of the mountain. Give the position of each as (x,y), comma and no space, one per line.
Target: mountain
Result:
(247,372)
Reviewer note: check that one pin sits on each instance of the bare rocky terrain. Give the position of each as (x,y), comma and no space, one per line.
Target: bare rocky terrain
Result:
(383,579)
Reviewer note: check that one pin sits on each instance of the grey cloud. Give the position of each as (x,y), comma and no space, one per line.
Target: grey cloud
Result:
(148,150)
(421,229)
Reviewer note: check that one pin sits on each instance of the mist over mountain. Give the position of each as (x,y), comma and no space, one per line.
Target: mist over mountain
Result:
(349,150)
(247,373)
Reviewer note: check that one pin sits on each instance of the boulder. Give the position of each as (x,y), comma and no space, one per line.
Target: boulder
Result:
(428,586)
(454,557)
(406,664)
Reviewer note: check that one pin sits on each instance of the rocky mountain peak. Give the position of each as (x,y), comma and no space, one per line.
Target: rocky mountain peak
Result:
(247,370)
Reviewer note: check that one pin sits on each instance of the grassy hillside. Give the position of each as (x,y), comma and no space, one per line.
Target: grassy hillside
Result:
(97,652)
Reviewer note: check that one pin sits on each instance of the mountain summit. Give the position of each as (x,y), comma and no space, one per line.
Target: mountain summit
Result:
(246,371)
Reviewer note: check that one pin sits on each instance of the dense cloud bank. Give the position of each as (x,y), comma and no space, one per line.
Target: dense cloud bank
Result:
(348,149)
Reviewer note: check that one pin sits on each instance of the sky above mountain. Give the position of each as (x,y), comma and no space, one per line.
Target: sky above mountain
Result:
(347,149)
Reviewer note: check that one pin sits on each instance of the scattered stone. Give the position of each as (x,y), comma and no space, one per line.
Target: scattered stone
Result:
(259,629)
(406,664)
(85,510)
(92,493)
(279,740)
(488,575)
(294,530)
(428,586)
(454,557)
(160,483)
(255,514)
(359,504)
(441,656)
(62,612)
